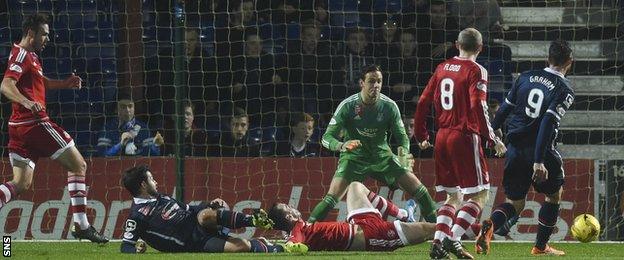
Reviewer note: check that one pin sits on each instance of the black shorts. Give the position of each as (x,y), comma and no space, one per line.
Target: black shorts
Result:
(519,172)
(208,241)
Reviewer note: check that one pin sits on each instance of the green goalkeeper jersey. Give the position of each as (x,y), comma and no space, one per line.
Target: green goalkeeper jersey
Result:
(370,124)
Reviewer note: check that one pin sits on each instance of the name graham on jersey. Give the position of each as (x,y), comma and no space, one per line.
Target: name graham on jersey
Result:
(544,81)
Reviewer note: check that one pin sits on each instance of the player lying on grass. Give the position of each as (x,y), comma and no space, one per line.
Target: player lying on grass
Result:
(172,226)
(364,230)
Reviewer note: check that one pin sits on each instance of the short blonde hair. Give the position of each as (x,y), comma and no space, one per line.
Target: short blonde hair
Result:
(470,39)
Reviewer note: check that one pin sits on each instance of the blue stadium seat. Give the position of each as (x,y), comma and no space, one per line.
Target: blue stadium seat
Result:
(335,5)
(207,34)
(387,6)
(164,34)
(351,5)
(60,22)
(149,33)
(78,6)
(293,31)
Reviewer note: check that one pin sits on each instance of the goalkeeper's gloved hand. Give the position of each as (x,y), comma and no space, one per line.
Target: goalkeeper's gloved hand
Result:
(261,219)
(350,145)
(406,159)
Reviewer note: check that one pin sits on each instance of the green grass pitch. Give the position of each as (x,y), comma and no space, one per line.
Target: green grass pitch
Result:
(84,250)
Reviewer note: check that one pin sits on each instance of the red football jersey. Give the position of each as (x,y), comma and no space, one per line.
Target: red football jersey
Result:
(458,91)
(25,67)
(323,236)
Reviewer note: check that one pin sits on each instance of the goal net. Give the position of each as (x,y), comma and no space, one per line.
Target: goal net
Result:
(232,79)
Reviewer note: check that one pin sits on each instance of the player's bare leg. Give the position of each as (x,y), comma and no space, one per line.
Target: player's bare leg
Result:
(548,215)
(337,190)
(22,179)
(76,168)
(409,183)
(357,197)
(418,232)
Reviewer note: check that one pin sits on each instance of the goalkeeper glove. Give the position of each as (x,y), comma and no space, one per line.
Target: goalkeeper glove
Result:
(261,219)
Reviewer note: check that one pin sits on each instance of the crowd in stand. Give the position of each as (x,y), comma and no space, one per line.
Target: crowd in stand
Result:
(263,77)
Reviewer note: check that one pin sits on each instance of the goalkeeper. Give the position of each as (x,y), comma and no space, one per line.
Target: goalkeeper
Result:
(172,226)
(364,120)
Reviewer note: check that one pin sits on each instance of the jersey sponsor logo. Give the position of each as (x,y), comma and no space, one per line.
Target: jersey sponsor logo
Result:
(16,68)
(169,212)
(145,210)
(367,132)
(130,225)
(568,101)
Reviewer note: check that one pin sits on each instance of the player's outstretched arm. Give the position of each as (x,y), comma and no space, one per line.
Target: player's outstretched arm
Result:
(73,82)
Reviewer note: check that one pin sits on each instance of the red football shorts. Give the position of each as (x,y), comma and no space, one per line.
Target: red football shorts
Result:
(460,163)
(380,235)
(29,142)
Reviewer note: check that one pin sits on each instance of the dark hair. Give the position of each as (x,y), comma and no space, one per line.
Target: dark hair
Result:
(300,117)
(559,52)
(279,218)
(239,113)
(33,22)
(187,103)
(133,177)
(369,68)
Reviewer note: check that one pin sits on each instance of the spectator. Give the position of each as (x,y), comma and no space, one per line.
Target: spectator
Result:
(256,82)
(200,76)
(297,142)
(408,122)
(242,21)
(407,71)
(126,135)
(413,10)
(357,54)
(236,142)
(312,70)
(483,15)
(493,107)
(195,140)
(386,39)
(437,32)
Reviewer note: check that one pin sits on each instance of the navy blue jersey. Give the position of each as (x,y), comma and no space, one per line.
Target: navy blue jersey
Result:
(163,223)
(536,95)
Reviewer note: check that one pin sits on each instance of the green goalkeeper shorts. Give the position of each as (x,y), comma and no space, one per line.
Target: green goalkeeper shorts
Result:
(386,169)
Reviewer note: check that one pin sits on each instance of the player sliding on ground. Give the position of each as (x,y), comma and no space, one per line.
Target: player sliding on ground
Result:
(359,131)
(458,91)
(172,226)
(364,229)
(32,134)
(537,102)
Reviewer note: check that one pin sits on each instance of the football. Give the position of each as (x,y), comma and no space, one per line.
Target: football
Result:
(585,228)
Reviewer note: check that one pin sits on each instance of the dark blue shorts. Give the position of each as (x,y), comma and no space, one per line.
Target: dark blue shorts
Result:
(207,241)
(519,170)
